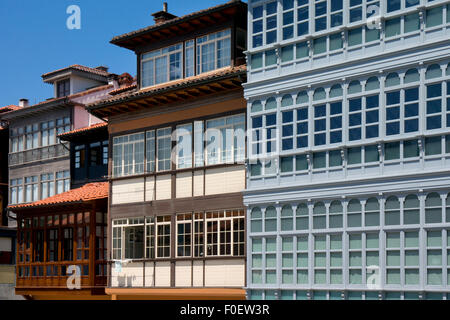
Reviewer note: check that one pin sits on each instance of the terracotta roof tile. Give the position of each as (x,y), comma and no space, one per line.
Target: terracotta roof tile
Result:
(173,84)
(80,68)
(9,108)
(123,89)
(84,129)
(88,192)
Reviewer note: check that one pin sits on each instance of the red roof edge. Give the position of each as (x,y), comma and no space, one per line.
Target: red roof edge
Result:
(88,192)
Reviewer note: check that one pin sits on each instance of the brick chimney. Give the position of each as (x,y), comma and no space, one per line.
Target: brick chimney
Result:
(163,16)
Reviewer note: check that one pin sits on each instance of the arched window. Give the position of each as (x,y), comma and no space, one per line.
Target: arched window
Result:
(319,94)
(256,106)
(372,84)
(412,75)
(372,213)
(286,218)
(319,216)
(433,208)
(411,210)
(392,79)
(336,91)
(354,213)
(287,101)
(270,219)
(354,87)
(392,211)
(302,97)
(271,103)
(302,217)
(433,71)
(336,211)
(256,220)
(447,71)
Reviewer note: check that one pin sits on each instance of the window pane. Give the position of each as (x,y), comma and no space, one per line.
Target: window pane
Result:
(433,17)
(412,22)
(433,145)
(354,37)
(392,27)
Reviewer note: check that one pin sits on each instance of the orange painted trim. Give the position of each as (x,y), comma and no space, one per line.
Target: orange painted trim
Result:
(176,293)
(83,294)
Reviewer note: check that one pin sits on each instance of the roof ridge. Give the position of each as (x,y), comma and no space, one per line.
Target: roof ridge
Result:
(79,67)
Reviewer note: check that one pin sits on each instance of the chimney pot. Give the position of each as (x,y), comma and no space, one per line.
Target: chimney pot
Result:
(23,103)
(162,16)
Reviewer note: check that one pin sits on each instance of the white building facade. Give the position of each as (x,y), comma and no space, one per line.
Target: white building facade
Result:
(349,154)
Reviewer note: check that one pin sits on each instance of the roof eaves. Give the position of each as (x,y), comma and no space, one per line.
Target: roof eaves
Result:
(98,126)
(76,67)
(46,205)
(117,39)
(131,96)
(64,101)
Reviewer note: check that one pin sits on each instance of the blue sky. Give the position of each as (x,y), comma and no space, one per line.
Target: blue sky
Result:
(35,39)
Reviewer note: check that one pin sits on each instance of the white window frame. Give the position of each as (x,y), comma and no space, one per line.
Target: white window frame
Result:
(213,38)
(162,53)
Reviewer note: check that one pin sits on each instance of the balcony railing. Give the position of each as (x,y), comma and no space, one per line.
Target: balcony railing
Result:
(38,154)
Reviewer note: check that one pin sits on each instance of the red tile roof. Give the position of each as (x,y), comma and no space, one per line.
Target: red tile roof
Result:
(9,108)
(88,192)
(123,89)
(84,129)
(172,85)
(80,68)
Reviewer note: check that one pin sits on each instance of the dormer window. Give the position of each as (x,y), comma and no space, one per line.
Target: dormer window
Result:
(213,51)
(63,88)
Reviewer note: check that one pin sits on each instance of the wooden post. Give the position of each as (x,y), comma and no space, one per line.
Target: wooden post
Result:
(92,231)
